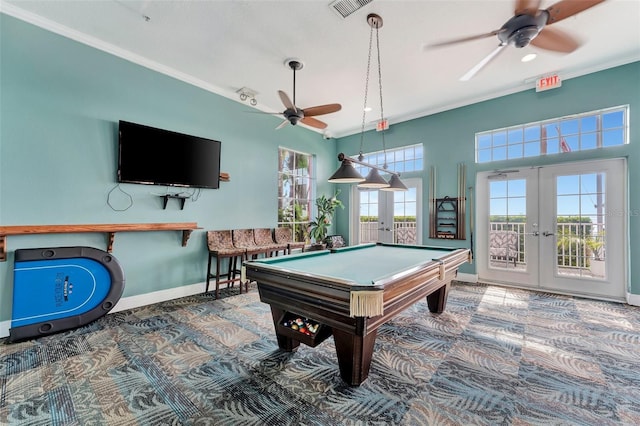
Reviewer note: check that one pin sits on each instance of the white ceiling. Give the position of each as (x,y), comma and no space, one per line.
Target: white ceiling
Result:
(224,46)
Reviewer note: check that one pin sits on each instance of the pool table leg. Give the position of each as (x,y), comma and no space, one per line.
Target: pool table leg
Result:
(285,343)
(437,300)
(354,355)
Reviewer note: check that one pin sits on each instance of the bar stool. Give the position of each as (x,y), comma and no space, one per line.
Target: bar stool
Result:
(220,244)
(285,236)
(244,239)
(264,238)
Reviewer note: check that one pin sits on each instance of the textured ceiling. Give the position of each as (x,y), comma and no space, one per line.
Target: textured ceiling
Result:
(224,46)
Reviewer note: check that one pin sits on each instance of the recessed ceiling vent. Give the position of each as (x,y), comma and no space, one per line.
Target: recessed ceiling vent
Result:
(345,8)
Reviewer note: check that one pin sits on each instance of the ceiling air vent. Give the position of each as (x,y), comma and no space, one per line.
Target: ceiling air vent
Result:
(345,8)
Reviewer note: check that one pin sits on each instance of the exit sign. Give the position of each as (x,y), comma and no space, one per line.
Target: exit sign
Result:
(548,82)
(382,125)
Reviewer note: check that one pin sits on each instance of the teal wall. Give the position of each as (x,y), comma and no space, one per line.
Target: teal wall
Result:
(60,102)
(59,108)
(449,139)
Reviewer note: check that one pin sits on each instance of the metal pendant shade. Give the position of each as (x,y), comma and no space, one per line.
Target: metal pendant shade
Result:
(395,184)
(373,180)
(346,174)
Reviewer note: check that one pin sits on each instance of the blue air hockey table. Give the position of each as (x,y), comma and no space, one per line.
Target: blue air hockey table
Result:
(56,289)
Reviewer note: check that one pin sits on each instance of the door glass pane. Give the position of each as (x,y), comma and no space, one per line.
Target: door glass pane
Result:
(507,223)
(404,216)
(368,216)
(580,225)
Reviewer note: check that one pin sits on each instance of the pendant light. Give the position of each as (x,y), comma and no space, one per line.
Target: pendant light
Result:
(374,181)
(347,173)
(395,184)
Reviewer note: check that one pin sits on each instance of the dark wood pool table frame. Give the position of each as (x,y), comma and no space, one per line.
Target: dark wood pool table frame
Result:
(327,301)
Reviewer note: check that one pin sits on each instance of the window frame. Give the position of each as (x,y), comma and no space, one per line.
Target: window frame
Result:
(303,182)
(572,133)
(397,159)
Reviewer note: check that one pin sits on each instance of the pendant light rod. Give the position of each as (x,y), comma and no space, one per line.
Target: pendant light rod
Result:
(342,157)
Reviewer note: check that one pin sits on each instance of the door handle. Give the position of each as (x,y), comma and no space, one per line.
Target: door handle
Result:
(547,234)
(534,233)
(384,229)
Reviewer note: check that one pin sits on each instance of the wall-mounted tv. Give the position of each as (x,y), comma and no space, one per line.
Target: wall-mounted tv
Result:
(152,156)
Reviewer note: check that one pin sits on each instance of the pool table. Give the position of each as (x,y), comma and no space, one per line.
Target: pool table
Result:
(349,293)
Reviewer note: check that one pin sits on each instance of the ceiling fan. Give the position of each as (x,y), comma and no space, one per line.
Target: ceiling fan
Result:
(529,25)
(293,114)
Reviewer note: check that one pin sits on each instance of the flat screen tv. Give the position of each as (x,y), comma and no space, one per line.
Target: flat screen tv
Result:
(152,156)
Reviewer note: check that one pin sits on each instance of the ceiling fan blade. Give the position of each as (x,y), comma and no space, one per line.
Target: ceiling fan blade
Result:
(310,121)
(321,109)
(281,125)
(463,39)
(527,7)
(286,101)
(566,8)
(473,71)
(556,40)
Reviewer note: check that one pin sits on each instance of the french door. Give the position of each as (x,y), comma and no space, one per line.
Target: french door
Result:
(559,228)
(388,216)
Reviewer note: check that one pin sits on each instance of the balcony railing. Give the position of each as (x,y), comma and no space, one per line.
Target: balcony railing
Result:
(576,242)
(403,232)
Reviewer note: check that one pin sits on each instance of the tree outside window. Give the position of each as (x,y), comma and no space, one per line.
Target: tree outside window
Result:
(295,188)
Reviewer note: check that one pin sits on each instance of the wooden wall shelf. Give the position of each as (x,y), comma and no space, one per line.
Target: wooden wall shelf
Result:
(109,228)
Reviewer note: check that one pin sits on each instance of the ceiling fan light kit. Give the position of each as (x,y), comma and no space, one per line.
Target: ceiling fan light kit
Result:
(346,173)
(530,25)
(521,29)
(294,115)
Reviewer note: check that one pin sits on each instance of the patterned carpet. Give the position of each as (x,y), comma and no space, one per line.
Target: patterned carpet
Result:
(496,356)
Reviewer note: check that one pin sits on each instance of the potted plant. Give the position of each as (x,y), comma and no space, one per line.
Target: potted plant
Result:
(326,208)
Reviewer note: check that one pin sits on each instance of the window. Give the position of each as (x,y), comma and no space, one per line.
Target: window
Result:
(295,184)
(392,217)
(591,130)
(401,160)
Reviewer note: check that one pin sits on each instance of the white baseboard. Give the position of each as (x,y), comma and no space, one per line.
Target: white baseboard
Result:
(132,302)
(4,328)
(467,278)
(633,299)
